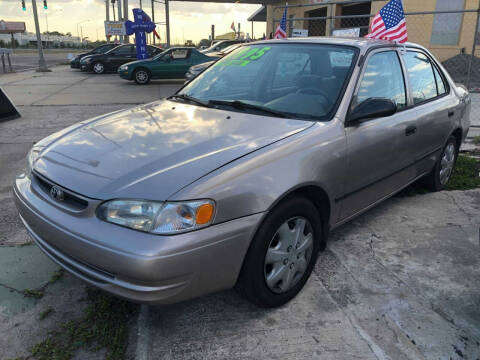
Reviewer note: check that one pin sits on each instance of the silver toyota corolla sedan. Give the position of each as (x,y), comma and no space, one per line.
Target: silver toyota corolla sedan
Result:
(237,179)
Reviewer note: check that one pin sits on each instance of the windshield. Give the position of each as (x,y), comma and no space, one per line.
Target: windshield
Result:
(298,80)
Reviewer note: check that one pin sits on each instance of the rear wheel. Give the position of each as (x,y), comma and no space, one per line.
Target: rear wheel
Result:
(282,254)
(98,68)
(141,76)
(442,171)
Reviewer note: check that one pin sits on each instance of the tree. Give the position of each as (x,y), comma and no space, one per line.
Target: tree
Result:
(204,42)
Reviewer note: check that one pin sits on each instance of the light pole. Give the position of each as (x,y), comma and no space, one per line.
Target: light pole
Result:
(78,34)
(42,65)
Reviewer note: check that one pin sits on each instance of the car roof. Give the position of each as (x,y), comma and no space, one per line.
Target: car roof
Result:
(346,41)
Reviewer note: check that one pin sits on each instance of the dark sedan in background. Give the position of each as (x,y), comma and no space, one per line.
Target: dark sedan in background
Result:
(102,49)
(113,59)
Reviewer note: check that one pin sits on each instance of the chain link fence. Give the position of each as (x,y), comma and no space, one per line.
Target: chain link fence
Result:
(451,35)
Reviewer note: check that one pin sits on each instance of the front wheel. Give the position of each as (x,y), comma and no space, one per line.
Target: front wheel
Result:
(438,178)
(98,68)
(282,254)
(141,76)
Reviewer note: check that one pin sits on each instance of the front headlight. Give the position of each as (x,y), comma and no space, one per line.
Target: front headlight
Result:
(123,68)
(158,217)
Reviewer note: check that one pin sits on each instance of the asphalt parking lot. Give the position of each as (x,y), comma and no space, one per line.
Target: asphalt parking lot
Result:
(399,282)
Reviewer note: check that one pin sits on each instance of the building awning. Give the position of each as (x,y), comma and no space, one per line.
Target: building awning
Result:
(259,15)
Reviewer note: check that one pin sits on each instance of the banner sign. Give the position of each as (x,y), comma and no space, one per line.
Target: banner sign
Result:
(7,27)
(142,24)
(299,33)
(114,28)
(353,32)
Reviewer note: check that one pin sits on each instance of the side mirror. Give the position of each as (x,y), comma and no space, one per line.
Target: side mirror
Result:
(372,108)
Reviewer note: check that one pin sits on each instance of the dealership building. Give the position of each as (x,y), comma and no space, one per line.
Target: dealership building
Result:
(445,27)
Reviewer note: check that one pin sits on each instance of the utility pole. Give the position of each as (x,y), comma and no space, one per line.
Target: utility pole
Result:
(167,22)
(153,19)
(107,17)
(238,37)
(126,38)
(119,8)
(42,65)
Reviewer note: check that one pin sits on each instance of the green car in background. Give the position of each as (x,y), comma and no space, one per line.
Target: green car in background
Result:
(170,64)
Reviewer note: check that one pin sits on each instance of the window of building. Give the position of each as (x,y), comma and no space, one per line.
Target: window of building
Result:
(446,27)
(420,74)
(383,78)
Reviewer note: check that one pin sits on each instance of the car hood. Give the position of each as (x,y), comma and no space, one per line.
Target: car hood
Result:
(154,150)
(201,66)
(139,62)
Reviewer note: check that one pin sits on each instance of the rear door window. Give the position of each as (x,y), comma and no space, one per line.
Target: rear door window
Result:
(441,88)
(421,76)
(383,78)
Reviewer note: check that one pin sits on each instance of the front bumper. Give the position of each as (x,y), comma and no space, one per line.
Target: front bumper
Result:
(137,266)
(86,67)
(124,74)
(75,64)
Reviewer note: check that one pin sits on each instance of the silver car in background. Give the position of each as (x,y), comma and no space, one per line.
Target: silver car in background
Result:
(237,179)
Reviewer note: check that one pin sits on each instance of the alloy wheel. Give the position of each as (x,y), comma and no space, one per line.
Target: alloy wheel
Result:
(98,68)
(141,76)
(288,254)
(447,163)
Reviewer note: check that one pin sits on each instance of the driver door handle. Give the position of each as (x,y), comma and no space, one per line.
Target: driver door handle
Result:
(410,130)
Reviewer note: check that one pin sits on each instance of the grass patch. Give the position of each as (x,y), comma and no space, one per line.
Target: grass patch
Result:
(465,175)
(57,275)
(104,324)
(476,140)
(37,294)
(44,314)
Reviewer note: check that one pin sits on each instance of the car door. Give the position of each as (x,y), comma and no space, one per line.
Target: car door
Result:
(180,62)
(378,156)
(122,55)
(434,106)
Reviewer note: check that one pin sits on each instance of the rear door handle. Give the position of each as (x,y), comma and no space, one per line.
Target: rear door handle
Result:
(451,112)
(410,130)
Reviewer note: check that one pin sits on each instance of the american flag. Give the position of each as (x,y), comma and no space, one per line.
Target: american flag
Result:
(389,23)
(281,32)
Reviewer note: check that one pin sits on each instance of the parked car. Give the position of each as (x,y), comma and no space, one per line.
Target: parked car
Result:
(197,69)
(170,64)
(220,45)
(75,62)
(238,177)
(113,59)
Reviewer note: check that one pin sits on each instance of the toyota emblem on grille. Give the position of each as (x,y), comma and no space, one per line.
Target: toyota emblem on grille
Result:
(56,193)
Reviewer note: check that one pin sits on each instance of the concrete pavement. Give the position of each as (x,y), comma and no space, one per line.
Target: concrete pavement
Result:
(400,282)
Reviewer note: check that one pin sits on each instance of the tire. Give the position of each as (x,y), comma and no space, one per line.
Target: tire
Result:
(141,76)
(438,178)
(98,68)
(276,268)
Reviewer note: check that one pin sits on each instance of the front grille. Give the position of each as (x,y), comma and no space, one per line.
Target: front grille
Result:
(69,199)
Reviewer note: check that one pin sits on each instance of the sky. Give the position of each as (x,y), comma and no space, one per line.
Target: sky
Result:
(188,20)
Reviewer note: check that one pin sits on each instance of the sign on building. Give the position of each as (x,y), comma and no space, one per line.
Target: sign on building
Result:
(353,32)
(7,27)
(299,32)
(115,28)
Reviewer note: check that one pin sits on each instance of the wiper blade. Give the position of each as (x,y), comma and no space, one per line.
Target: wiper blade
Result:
(243,105)
(189,98)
